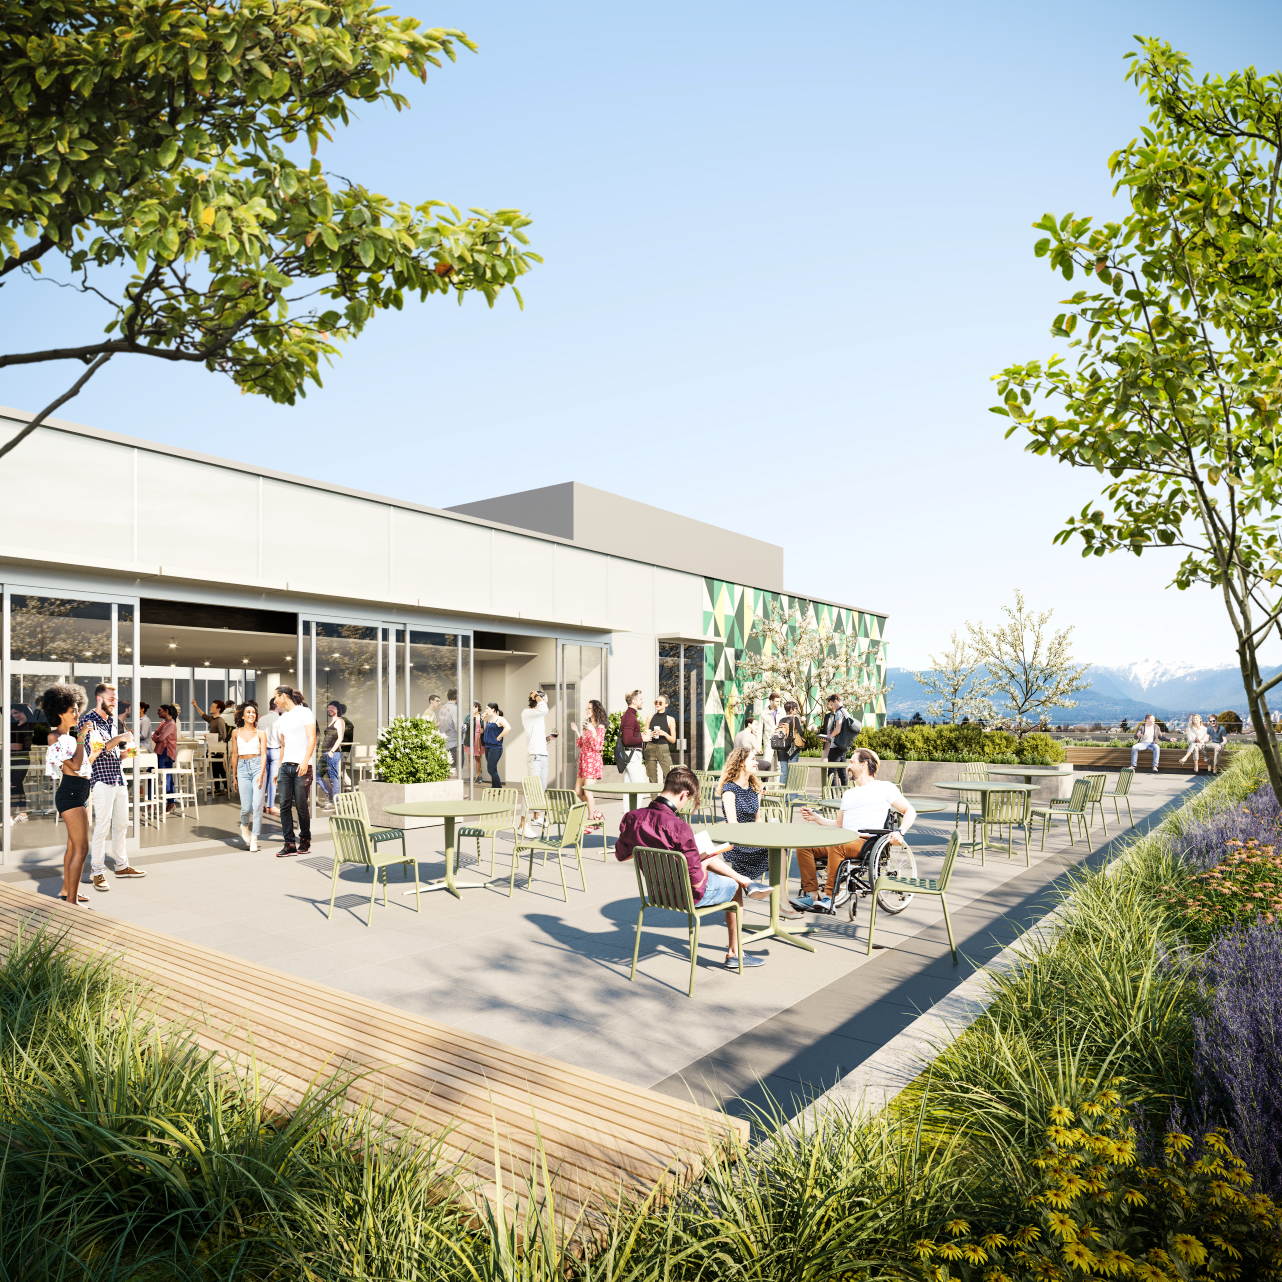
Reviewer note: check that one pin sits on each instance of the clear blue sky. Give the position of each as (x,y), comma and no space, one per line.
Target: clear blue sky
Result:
(786,246)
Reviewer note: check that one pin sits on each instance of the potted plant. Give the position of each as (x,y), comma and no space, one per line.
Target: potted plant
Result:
(411,764)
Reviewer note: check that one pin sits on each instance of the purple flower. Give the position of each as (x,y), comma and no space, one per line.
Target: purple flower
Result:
(1258,818)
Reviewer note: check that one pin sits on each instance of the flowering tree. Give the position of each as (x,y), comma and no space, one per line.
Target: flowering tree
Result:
(963,686)
(807,661)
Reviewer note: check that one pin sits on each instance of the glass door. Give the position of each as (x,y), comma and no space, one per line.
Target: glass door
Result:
(580,680)
(86,640)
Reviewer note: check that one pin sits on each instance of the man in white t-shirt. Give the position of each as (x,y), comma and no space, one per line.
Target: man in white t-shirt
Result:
(297,731)
(536,749)
(863,806)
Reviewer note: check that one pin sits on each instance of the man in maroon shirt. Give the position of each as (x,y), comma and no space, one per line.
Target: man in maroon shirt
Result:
(712,880)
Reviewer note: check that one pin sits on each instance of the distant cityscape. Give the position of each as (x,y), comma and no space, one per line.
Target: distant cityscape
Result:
(1171,691)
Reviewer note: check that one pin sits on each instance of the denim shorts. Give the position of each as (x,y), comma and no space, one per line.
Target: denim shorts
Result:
(719,890)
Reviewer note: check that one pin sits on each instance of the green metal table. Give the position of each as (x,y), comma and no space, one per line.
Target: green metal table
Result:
(449,811)
(776,838)
(624,788)
(979,785)
(1027,773)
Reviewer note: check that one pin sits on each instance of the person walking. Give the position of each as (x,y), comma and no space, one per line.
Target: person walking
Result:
(297,729)
(447,724)
(1196,738)
(657,753)
(750,737)
(784,741)
(634,738)
(247,764)
(492,741)
(110,796)
(590,740)
(473,724)
(67,765)
(332,751)
(1216,735)
(144,728)
(1146,736)
(534,723)
(770,720)
(268,725)
(164,739)
(217,724)
(840,731)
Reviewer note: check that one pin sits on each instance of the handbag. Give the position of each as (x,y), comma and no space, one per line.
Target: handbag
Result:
(798,739)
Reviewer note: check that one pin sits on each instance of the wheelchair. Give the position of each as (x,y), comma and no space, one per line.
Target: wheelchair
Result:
(856,877)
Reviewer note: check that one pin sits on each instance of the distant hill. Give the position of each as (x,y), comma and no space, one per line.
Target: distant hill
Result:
(1165,689)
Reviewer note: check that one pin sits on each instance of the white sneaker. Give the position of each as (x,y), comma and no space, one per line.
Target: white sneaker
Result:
(244,833)
(253,842)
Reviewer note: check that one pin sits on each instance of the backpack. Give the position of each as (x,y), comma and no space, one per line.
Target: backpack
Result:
(847,734)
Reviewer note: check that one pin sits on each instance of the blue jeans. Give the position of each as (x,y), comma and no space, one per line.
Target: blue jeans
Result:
(492,755)
(273,756)
(333,762)
(165,762)
(251,796)
(1139,747)
(720,889)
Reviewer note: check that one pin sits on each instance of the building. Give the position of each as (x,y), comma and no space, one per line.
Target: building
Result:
(187,578)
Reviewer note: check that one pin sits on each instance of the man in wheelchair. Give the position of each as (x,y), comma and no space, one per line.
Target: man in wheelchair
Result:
(871,810)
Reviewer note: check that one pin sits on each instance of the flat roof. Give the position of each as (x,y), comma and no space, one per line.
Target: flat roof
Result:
(252,469)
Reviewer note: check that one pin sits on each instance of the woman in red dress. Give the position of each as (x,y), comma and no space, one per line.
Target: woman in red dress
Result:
(590,740)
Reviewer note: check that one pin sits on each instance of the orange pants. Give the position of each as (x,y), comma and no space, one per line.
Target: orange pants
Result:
(834,855)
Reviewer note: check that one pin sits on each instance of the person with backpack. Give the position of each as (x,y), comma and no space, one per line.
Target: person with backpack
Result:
(788,739)
(840,730)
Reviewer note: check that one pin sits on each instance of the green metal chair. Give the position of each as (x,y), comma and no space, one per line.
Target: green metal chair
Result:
(937,886)
(978,771)
(708,808)
(901,768)
(535,799)
(775,810)
(353,805)
(570,839)
(1072,808)
(997,810)
(1096,798)
(491,825)
(1125,777)
(663,881)
(352,845)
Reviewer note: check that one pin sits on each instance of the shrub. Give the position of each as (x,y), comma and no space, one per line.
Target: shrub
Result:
(1041,748)
(953,743)
(1086,1208)
(1246,882)
(1238,1045)
(412,750)
(1231,722)
(1256,818)
(611,737)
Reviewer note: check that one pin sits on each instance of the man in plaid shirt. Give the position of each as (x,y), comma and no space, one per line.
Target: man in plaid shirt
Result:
(110,796)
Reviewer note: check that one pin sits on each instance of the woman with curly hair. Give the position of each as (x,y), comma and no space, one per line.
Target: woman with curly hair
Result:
(740,792)
(68,765)
(590,739)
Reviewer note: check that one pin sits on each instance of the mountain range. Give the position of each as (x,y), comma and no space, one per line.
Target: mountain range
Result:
(1131,690)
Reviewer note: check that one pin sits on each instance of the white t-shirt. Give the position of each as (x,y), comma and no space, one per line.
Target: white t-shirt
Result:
(1147,732)
(292,732)
(447,724)
(536,743)
(866,806)
(270,722)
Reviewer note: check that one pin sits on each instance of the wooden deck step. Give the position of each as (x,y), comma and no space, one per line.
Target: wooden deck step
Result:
(601,1138)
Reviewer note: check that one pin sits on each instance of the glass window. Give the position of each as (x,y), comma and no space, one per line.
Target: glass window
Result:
(433,679)
(347,673)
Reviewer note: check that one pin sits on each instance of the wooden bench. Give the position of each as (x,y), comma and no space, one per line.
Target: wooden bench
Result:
(602,1139)
(1116,758)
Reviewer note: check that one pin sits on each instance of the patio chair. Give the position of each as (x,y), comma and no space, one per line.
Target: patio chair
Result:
(560,802)
(937,886)
(663,881)
(535,799)
(901,768)
(353,846)
(570,839)
(1122,792)
(1000,808)
(709,798)
(353,805)
(1072,808)
(978,771)
(491,825)
(775,810)
(1096,798)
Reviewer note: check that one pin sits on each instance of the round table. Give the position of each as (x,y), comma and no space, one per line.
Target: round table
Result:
(1026,773)
(625,788)
(449,811)
(979,785)
(922,805)
(776,838)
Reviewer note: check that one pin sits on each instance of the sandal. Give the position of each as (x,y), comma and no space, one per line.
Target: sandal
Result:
(80,899)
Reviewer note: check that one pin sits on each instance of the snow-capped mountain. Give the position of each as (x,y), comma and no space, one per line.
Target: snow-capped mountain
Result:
(1151,672)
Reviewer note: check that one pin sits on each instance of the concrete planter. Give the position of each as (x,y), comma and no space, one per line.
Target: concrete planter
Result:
(378,795)
(921,776)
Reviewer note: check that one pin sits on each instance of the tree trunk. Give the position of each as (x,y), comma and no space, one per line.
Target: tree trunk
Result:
(1257,705)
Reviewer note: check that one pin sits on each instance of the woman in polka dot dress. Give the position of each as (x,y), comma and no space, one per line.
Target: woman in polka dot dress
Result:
(590,740)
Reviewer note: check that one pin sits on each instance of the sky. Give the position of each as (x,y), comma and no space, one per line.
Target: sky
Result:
(786,247)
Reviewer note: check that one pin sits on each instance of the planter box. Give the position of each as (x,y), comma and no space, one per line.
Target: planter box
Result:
(1116,758)
(378,795)
(921,776)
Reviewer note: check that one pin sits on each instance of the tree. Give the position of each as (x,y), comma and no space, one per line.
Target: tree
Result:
(1231,722)
(1033,670)
(148,148)
(807,662)
(1175,387)
(961,683)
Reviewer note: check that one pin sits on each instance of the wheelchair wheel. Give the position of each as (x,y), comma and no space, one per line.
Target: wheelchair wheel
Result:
(895,861)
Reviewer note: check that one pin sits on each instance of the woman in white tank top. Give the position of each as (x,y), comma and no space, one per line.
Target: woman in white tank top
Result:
(247,749)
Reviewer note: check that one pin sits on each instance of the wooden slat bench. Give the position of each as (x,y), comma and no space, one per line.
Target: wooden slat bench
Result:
(602,1139)
(1116,758)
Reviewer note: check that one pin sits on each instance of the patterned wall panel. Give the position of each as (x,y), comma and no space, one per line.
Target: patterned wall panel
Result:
(729,612)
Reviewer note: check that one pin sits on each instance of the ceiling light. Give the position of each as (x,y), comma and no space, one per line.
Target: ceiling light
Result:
(173,645)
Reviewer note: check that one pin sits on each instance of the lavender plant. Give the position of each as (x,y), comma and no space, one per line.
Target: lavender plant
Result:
(1257,818)
(1238,1045)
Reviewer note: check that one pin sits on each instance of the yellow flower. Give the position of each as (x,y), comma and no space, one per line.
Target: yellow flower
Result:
(957,1227)
(1062,1226)
(1111,1262)
(993,1240)
(1061,1114)
(950,1251)
(1076,1254)
(974,1254)
(1133,1197)
(1189,1249)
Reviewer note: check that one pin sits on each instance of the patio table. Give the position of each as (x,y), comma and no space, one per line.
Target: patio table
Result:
(980,785)
(1027,773)
(776,838)
(922,805)
(449,811)
(625,788)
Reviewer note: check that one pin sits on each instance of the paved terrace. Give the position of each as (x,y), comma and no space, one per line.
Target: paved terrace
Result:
(552,977)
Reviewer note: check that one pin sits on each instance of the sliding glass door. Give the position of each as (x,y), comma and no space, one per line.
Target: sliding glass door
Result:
(580,680)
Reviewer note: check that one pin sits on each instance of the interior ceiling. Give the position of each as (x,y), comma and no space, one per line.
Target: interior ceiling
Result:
(217,647)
